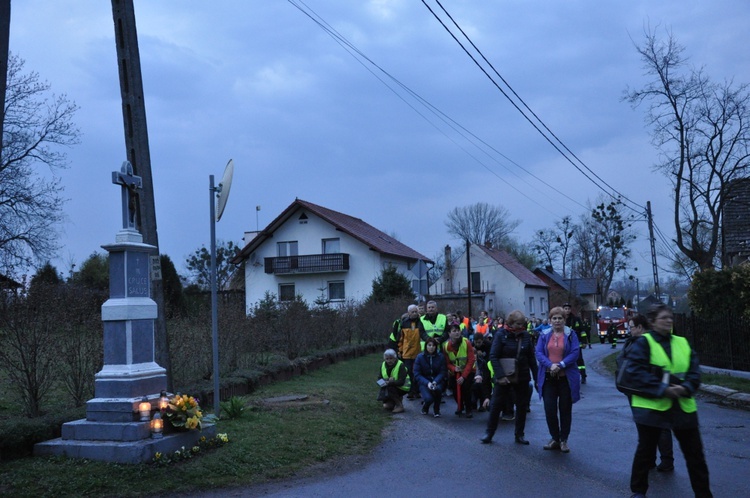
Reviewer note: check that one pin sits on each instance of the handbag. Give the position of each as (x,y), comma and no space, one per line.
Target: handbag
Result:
(383,394)
(510,366)
(623,381)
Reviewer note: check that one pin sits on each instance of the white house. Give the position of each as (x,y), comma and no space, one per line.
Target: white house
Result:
(318,253)
(502,282)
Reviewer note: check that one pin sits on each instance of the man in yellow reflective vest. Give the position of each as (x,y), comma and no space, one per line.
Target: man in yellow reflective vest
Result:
(411,337)
(664,369)
(434,323)
(393,381)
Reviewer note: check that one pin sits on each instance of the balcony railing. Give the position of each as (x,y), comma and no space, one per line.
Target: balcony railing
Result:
(314,263)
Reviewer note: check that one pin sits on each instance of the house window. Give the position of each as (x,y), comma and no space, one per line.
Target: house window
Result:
(542,306)
(531,306)
(336,291)
(476,282)
(287,248)
(331,246)
(286,292)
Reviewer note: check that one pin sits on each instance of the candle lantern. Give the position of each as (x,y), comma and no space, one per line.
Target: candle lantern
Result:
(157,426)
(145,409)
(163,401)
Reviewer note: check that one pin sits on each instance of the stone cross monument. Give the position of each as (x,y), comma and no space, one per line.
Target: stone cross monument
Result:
(131,184)
(113,430)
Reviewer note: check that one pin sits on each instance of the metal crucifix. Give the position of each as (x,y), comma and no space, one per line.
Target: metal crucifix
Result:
(130,184)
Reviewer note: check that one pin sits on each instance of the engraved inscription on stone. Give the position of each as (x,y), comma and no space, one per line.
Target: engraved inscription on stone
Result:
(138,286)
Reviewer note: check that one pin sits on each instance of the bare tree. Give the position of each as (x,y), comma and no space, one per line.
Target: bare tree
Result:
(545,247)
(702,129)
(481,223)
(28,345)
(603,243)
(36,124)
(553,245)
(588,250)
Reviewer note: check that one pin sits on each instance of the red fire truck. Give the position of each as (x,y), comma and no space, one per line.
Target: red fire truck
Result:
(613,315)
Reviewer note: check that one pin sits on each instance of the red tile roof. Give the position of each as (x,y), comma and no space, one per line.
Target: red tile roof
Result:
(364,232)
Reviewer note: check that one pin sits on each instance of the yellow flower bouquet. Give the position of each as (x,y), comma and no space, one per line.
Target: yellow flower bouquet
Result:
(183,412)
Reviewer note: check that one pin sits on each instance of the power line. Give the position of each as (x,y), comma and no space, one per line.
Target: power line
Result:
(361,58)
(397,87)
(505,94)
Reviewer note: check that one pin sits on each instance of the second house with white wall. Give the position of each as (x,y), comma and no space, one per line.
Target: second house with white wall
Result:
(498,280)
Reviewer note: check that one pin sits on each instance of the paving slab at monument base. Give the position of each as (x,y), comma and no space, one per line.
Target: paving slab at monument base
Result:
(141,451)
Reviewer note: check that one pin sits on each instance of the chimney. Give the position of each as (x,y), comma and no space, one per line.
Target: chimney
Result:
(448,271)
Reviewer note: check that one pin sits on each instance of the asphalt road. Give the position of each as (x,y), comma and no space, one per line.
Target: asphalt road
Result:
(426,457)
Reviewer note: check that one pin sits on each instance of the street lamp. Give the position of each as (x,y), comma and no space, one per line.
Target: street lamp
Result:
(637,290)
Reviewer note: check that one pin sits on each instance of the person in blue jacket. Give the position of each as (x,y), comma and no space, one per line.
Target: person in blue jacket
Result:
(430,374)
(559,380)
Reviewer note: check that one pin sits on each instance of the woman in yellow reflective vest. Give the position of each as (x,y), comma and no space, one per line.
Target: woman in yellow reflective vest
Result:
(665,369)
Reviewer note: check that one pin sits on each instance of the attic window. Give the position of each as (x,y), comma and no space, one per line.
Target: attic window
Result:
(303,219)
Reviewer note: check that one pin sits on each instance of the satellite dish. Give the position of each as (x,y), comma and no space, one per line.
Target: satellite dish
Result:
(224,185)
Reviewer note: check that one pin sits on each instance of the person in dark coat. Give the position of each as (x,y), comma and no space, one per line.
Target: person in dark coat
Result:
(430,374)
(506,345)
(665,369)
(482,388)
(638,326)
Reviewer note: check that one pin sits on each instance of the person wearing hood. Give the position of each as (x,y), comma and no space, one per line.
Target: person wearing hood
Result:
(559,380)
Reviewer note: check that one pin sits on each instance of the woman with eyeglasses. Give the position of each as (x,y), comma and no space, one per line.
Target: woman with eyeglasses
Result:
(559,380)
(511,342)
(665,369)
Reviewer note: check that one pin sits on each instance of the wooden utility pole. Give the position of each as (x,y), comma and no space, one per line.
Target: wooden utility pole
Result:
(4,55)
(654,267)
(468,276)
(136,143)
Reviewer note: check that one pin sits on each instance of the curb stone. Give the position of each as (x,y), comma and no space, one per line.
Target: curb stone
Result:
(727,396)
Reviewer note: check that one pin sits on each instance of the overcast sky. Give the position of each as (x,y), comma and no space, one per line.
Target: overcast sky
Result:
(262,83)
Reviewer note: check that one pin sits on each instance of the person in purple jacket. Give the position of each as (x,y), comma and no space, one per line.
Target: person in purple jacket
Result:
(559,380)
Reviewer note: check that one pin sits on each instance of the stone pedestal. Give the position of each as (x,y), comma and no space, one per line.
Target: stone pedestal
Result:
(112,430)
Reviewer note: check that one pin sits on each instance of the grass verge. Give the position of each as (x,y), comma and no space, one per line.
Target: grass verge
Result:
(737,383)
(269,442)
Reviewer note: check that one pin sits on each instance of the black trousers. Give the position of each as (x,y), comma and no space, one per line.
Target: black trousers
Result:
(557,399)
(465,396)
(414,389)
(518,392)
(666,452)
(692,448)
(581,364)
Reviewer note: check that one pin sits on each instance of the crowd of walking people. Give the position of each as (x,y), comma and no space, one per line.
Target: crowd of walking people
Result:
(496,365)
